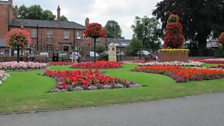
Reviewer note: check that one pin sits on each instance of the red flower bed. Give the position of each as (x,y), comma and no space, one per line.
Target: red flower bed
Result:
(59,63)
(181,74)
(212,61)
(218,67)
(85,80)
(97,65)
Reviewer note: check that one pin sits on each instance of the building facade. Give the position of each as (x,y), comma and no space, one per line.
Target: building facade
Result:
(47,36)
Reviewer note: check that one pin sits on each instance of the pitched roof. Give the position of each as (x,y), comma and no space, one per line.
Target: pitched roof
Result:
(45,24)
(119,42)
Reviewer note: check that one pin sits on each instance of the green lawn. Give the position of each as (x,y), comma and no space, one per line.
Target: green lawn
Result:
(28,91)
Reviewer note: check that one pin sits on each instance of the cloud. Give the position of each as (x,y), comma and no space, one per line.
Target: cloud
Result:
(101,11)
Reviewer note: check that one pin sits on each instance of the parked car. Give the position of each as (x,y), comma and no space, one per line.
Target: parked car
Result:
(91,54)
(44,54)
(143,53)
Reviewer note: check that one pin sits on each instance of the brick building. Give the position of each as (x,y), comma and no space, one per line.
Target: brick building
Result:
(48,36)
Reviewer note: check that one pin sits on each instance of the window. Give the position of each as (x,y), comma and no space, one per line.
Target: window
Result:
(66,48)
(66,34)
(78,35)
(50,33)
(49,47)
(34,33)
(98,39)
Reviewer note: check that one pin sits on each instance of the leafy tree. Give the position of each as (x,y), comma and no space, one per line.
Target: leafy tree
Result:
(47,15)
(134,47)
(113,29)
(199,17)
(146,29)
(63,18)
(36,12)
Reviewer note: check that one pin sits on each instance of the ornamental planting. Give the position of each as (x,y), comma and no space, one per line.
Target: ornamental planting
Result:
(85,80)
(97,65)
(21,66)
(174,37)
(18,39)
(182,74)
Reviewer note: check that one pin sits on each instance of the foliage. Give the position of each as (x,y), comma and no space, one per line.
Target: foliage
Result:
(100,48)
(18,38)
(113,29)
(146,29)
(95,30)
(134,47)
(212,61)
(36,12)
(221,38)
(46,15)
(103,56)
(63,18)
(173,37)
(97,65)
(182,74)
(199,17)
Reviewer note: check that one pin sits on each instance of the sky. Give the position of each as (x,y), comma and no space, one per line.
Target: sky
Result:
(100,11)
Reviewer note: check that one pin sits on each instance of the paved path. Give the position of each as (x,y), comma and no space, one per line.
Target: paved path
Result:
(203,110)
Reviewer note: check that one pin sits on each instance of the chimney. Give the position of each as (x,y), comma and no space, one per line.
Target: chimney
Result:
(86,21)
(16,11)
(10,2)
(59,13)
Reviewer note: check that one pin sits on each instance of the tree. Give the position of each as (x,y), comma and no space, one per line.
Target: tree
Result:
(146,29)
(63,18)
(36,12)
(113,29)
(18,38)
(134,47)
(47,15)
(94,30)
(199,17)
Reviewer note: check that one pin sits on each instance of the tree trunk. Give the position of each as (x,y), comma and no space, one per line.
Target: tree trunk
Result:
(202,43)
(18,58)
(94,48)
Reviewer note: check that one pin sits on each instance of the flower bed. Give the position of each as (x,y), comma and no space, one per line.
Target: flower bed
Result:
(59,63)
(21,66)
(3,76)
(85,80)
(97,65)
(212,61)
(217,67)
(181,74)
(174,63)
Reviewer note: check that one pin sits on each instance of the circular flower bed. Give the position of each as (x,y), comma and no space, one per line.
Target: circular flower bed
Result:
(85,80)
(3,76)
(97,65)
(21,66)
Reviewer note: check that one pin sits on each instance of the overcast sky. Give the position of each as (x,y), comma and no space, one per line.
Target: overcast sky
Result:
(122,11)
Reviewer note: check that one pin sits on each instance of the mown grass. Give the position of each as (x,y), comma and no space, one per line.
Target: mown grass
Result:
(28,91)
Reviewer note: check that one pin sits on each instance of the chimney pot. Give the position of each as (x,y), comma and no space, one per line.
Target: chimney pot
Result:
(59,13)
